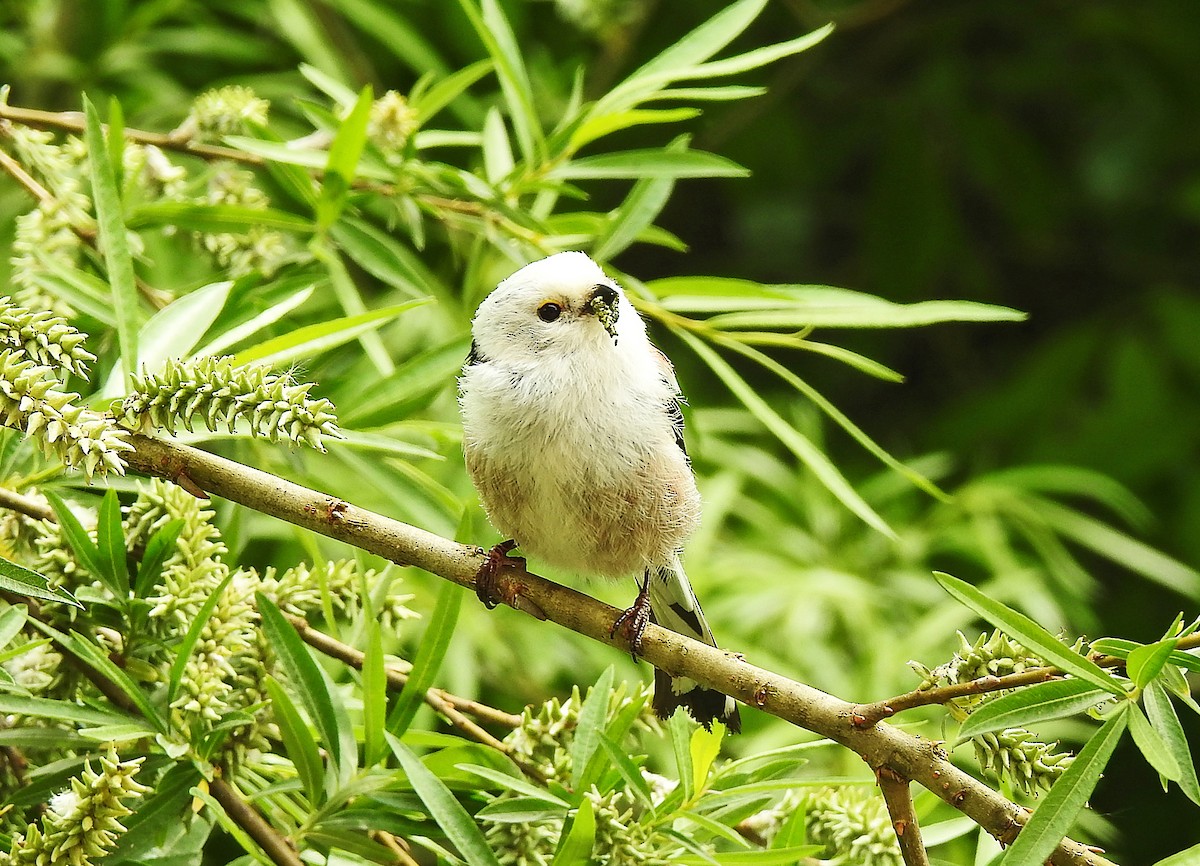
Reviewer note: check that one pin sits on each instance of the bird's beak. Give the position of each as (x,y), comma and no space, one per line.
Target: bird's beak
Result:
(604,303)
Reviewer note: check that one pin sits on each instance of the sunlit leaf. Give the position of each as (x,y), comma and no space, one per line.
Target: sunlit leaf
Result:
(1053,817)
(1030,634)
(1029,705)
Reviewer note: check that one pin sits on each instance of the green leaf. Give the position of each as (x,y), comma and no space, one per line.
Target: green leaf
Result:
(183,652)
(158,549)
(1152,746)
(110,545)
(590,727)
(392,27)
(62,711)
(380,255)
(20,580)
(110,224)
(516,784)
(412,386)
(518,810)
(704,748)
(298,740)
(449,814)
(1029,633)
(1144,662)
(215,218)
(313,687)
(649,163)
(353,305)
(497,37)
(762,857)
(1032,704)
(760,56)
(12,620)
(838,417)
(1121,648)
(1066,799)
(598,127)
(77,538)
(726,93)
(342,166)
(253,325)
(680,726)
(93,657)
(799,444)
(430,654)
(431,101)
(175,330)
(639,210)
(277,151)
(578,837)
(312,340)
(497,154)
(1165,722)
(374,685)
(629,771)
(230,826)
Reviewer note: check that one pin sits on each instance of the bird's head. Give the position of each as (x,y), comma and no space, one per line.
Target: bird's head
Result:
(560,305)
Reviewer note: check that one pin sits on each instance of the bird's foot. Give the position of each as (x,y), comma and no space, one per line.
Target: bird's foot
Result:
(487,585)
(632,623)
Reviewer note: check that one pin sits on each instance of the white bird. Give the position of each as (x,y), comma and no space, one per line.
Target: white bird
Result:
(573,436)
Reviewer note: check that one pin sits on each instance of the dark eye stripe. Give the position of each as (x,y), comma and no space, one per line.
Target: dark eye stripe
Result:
(549,312)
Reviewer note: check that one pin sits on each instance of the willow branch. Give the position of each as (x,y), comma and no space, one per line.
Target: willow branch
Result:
(880,746)
(27,505)
(898,797)
(866,715)
(248,818)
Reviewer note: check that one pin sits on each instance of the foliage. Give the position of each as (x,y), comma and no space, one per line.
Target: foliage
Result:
(247,220)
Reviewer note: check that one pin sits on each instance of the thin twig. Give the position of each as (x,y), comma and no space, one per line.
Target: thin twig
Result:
(880,746)
(31,185)
(866,715)
(27,505)
(251,820)
(898,797)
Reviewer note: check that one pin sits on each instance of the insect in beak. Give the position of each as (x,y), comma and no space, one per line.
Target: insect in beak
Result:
(604,304)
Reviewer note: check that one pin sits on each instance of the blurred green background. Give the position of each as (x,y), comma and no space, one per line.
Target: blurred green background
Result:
(1040,156)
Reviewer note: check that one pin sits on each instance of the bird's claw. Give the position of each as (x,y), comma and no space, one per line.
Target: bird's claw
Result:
(632,622)
(487,578)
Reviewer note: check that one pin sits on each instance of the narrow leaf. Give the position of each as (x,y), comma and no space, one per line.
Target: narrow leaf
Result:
(183,652)
(590,726)
(312,340)
(1029,633)
(1054,817)
(110,545)
(649,163)
(158,549)
(799,444)
(344,154)
(1152,746)
(434,644)
(20,580)
(1144,662)
(1165,722)
(1032,704)
(299,742)
(374,680)
(110,224)
(353,305)
(578,837)
(77,537)
(459,827)
(310,681)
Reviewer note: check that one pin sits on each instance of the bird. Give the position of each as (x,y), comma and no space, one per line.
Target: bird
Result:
(573,437)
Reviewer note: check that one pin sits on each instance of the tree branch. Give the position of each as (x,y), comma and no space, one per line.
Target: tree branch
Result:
(866,715)
(898,797)
(910,756)
(248,818)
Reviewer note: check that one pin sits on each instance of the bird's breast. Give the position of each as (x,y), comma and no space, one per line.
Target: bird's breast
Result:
(585,478)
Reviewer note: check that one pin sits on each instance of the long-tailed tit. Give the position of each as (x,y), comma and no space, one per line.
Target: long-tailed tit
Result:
(574,440)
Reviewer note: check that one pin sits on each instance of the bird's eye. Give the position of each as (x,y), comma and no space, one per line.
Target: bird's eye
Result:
(549,312)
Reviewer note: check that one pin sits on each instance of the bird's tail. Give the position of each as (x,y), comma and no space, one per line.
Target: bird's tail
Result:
(673,605)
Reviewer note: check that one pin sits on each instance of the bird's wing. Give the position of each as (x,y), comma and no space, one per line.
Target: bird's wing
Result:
(674,405)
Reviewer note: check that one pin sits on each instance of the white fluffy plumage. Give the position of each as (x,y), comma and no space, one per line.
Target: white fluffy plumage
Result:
(573,438)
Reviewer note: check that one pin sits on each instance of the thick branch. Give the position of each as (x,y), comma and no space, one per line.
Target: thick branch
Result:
(880,746)
(898,796)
